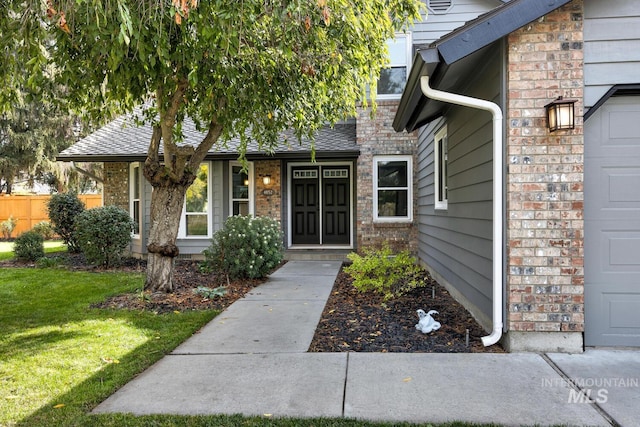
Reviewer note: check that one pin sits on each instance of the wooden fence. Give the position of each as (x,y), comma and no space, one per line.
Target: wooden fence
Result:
(29,210)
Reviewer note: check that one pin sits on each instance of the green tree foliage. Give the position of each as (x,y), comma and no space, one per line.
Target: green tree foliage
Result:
(249,69)
(32,133)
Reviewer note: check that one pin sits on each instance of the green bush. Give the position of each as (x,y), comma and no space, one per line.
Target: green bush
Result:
(103,234)
(63,210)
(44,229)
(49,262)
(7,226)
(245,247)
(29,246)
(383,272)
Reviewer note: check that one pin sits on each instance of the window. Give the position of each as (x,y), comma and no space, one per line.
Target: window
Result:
(135,192)
(392,195)
(393,79)
(441,155)
(196,205)
(241,189)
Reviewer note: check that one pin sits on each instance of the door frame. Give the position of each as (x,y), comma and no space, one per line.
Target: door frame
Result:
(351,168)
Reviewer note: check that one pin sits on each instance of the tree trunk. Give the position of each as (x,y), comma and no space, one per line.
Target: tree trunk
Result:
(166,210)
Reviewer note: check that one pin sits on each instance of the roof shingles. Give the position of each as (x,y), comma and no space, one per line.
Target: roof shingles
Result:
(123,140)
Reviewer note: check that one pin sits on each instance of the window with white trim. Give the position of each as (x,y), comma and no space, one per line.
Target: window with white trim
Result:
(241,189)
(393,79)
(441,160)
(195,217)
(392,188)
(135,198)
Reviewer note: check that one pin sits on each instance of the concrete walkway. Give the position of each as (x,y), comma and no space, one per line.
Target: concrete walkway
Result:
(252,360)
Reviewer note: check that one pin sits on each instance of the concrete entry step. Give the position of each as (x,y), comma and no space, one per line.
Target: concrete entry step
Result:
(317,254)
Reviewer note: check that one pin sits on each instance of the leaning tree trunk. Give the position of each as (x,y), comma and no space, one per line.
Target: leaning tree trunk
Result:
(166,209)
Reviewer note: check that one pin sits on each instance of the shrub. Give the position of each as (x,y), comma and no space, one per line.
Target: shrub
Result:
(49,262)
(7,226)
(44,229)
(245,247)
(29,246)
(381,271)
(103,234)
(63,210)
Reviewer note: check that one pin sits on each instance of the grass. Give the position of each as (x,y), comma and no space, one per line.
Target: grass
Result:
(61,358)
(50,246)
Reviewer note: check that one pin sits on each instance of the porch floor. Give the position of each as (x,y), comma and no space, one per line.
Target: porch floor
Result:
(317,254)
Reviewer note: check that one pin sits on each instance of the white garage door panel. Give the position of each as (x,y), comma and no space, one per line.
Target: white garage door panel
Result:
(612,224)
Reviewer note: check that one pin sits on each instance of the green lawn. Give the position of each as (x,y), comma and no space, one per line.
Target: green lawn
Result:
(6,248)
(59,358)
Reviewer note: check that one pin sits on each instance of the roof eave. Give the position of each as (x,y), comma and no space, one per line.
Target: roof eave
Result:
(460,43)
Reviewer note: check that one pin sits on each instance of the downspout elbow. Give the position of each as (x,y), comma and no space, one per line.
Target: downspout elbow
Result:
(496,112)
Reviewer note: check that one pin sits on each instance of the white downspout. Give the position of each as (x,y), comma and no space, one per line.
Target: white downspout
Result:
(495,110)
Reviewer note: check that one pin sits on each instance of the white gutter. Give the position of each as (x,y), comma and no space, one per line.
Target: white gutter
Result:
(495,110)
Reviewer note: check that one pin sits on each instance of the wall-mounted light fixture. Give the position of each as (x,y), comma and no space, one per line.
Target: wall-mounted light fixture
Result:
(266,180)
(560,114)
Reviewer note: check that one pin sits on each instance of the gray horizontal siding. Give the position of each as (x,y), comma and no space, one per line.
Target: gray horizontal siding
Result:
(435,25)
(457,243)
(611,46)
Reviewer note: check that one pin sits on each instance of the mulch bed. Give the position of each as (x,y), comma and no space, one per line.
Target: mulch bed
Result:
(364,322)
(351,321)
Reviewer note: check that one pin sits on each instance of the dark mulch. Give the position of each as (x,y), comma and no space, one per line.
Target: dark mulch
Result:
(363,322)
(187,278)
(351,321)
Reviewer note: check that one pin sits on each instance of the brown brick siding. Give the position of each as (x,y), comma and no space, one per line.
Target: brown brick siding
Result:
(270,204)
(545,275)
(376,136)
(116,185)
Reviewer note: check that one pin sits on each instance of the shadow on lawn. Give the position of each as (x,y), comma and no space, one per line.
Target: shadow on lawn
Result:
(73,408)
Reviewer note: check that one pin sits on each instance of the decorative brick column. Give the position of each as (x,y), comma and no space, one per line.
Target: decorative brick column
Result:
(377,137)
(545,274)
(116,185)
(266,203)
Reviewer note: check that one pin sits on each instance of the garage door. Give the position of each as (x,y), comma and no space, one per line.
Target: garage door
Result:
(612,224)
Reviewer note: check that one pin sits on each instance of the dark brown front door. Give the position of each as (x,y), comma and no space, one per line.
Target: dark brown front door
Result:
(321,205)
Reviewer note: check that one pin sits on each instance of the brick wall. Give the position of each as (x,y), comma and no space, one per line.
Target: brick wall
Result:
(268,204)
(377,137)
(116,185)
(545,275)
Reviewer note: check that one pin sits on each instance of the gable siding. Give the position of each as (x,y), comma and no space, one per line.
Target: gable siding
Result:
(611,46)
(434,26)
(456,244)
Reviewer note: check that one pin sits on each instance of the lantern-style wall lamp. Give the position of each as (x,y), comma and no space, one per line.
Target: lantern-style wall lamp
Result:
(266,180)
(560,114)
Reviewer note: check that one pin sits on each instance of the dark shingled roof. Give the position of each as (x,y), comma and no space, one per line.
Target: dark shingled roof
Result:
(122,140)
